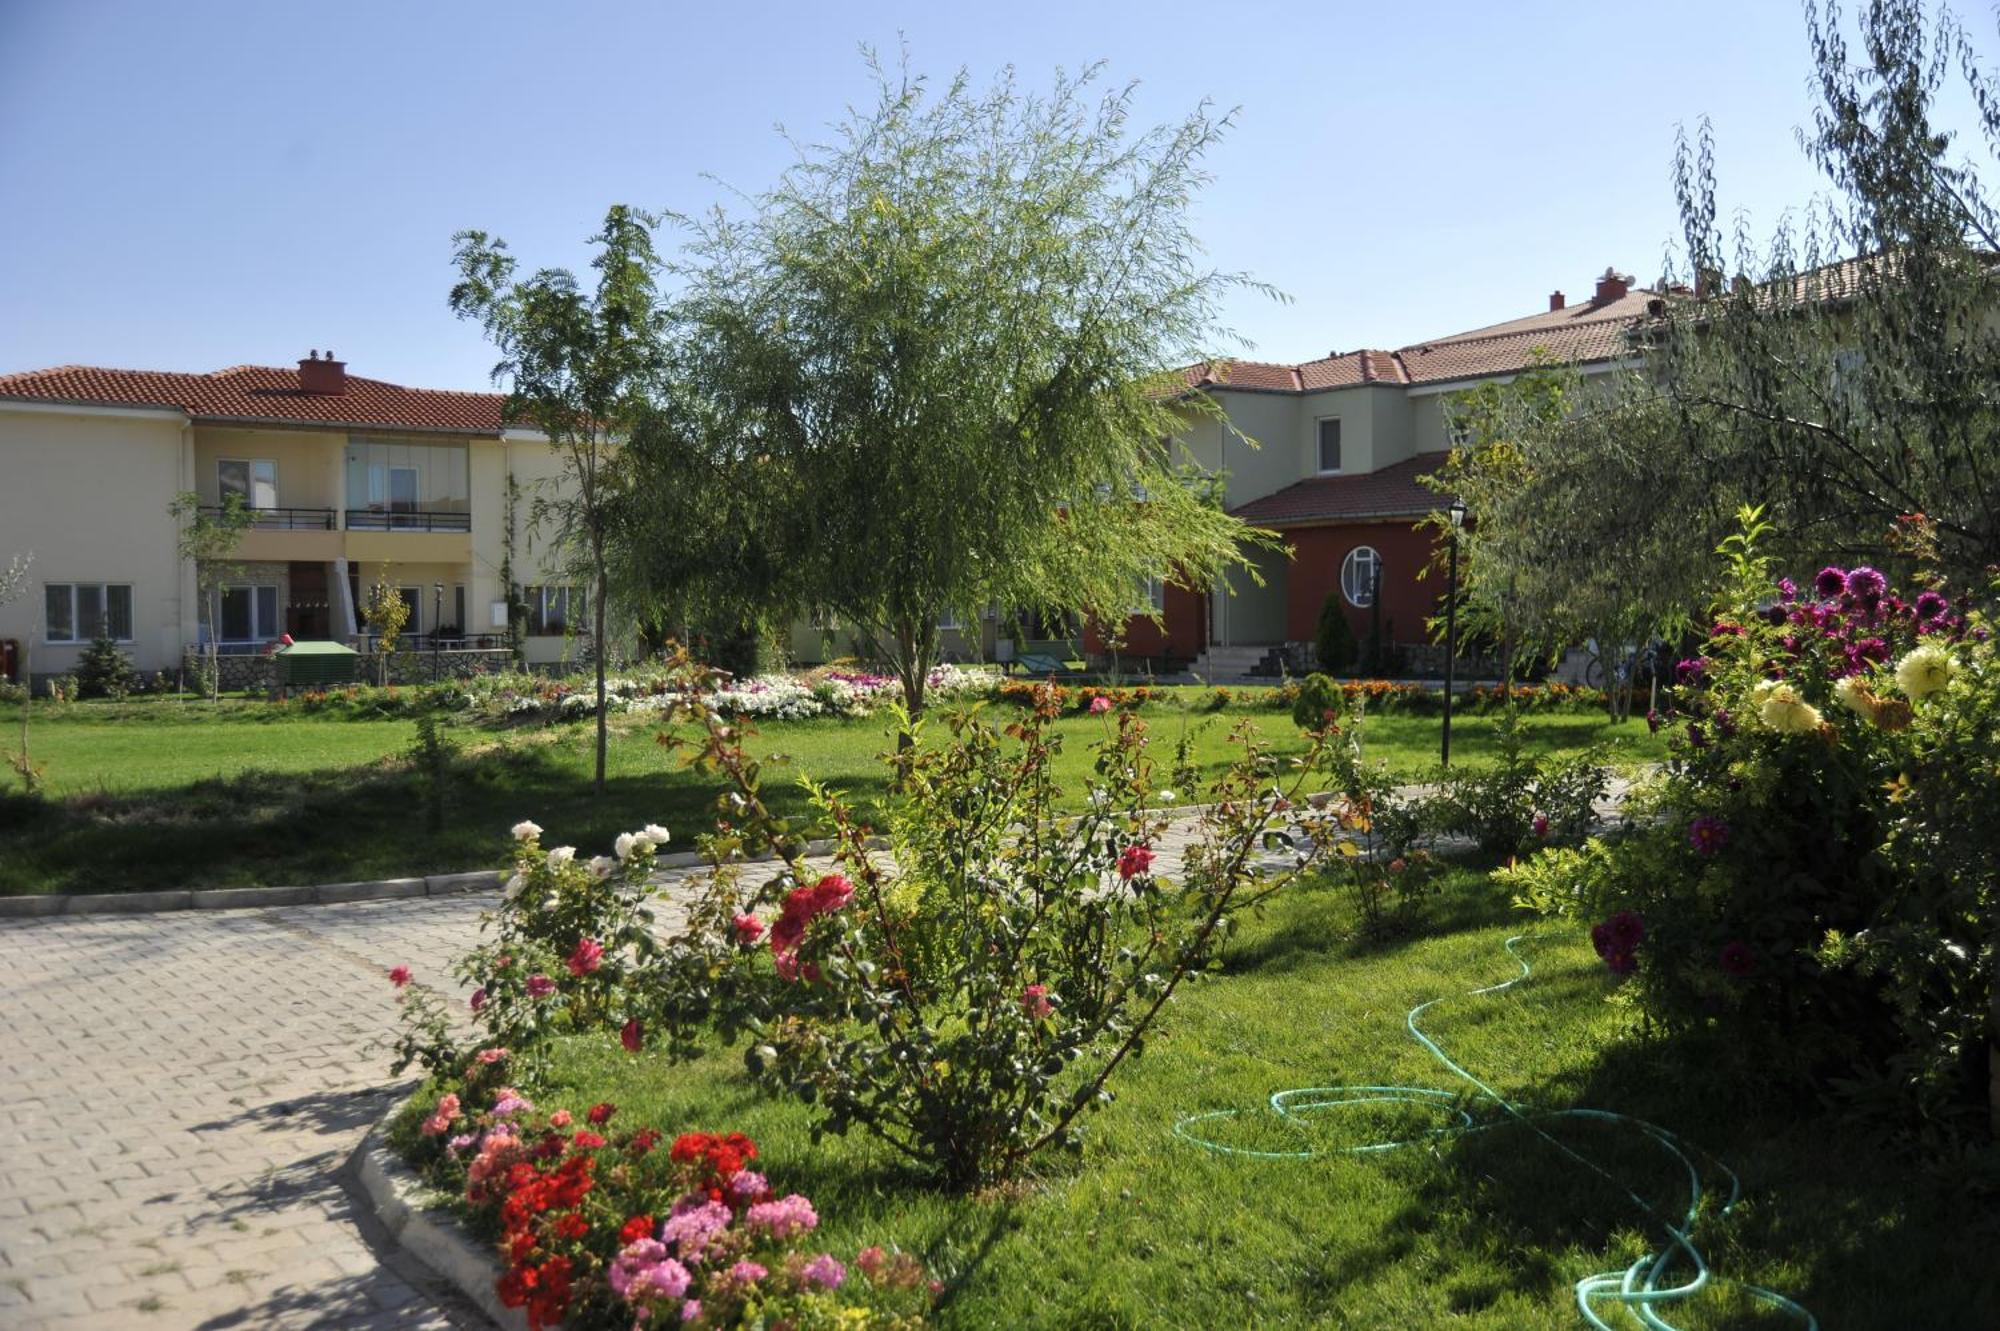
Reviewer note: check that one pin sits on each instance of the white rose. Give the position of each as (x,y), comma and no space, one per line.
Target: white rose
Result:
(513,887)
(656,834)
(561,855)
(624,845)
(1166,797)
(601,866)
(527,831)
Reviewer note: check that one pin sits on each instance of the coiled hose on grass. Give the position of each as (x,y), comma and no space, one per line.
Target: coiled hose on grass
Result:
(1645,1287)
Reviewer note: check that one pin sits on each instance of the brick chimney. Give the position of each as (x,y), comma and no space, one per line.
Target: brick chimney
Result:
(1611,287)
(322,378)
(1555,301)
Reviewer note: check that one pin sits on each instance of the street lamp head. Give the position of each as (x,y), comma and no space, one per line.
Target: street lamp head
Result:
(1457,511)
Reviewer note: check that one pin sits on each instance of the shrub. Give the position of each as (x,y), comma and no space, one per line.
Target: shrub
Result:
(1522,802)
(1382,831)
(970,1005)
(103,671)
(1334,645)
(1812,877)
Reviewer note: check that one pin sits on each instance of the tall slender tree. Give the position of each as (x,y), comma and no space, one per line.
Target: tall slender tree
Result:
(934,350)
(579,365)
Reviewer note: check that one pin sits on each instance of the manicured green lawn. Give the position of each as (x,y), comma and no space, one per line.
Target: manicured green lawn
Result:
(1488,1230)
(157,794)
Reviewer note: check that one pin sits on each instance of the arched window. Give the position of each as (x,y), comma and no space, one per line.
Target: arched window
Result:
(1358,573)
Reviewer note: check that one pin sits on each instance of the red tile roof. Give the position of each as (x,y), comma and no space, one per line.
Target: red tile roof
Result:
(1580,334)
(1392,492)
(262,393)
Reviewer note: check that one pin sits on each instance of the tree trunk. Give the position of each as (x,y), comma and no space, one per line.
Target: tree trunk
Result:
(597,641)
(913,670)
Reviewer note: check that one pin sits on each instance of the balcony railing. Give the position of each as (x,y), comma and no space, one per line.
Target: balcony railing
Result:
(369,519)
(281,519)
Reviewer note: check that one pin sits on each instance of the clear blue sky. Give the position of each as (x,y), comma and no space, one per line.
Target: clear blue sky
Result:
(194,185)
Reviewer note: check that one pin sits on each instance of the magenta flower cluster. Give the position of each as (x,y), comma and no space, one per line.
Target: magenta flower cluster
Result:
(1617,939)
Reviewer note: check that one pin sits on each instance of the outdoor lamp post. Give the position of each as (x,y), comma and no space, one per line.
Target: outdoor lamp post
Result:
(437,618)
(1457,512)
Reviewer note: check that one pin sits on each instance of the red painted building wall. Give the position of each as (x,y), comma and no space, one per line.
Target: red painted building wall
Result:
(1181,637)
(1317,554)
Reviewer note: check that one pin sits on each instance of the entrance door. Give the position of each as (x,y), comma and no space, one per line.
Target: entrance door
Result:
(309,611)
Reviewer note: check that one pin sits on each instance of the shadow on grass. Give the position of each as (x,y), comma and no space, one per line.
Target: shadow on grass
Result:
(270,829)
(1829,1216)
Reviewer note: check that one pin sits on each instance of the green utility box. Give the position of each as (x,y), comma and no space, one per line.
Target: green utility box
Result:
(315,665)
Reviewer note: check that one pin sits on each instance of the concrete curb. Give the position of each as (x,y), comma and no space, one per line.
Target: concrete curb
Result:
(429,1234)
(322,894)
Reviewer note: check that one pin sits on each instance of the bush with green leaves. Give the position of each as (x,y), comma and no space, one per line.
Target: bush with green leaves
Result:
(1523,801)
(1333,645)
(1813,877)
(103,671)
(567,939)
(968,994)
(1382,830)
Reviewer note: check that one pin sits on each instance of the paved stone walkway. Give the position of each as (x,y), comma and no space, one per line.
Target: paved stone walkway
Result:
(177,1094)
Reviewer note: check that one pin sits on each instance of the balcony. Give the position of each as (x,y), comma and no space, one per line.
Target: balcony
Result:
(369,519)
(280,519)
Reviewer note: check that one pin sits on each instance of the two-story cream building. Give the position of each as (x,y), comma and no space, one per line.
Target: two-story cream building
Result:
(1327,454)
(350,481)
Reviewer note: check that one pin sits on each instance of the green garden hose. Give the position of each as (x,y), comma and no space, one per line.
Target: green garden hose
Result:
(1642,1288)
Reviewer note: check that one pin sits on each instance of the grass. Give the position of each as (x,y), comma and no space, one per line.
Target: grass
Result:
(1488,1230)
(162,795)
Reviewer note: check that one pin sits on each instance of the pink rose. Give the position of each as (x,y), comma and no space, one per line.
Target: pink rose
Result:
(540,986)
(559,1119)
(478,1000)
(1100,705)
(491,1056)
(586,956)
(748,929)
(1035,1002)
(1135,861)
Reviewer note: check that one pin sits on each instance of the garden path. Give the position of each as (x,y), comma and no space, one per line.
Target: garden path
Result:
(180,1091)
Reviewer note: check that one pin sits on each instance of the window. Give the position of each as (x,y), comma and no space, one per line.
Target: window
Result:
(458,607)
(1152,597)
(1360,575)
(1329,445)
(413,606)
(250,614)
(948,620)
(255,479)
(84,611)
(550,610)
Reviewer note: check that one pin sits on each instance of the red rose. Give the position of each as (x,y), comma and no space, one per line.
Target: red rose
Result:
(638,1227)
(601,1112)
(633,1037)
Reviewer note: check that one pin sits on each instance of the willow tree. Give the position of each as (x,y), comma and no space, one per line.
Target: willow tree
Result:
(579,365)
(935,350)
(1848,370)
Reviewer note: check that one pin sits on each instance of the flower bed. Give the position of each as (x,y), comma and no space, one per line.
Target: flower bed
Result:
(599,1223)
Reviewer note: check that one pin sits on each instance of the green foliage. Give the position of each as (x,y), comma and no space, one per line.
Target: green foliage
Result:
(933,360)
(1814,869)
(433,755)
(104,671)
(1334,646)
(1524,800)
(385,612)
(580,366)
(970,1006)
(1318,701)
(209,541)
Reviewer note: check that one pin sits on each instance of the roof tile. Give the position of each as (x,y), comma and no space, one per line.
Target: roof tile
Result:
(1392,492)
(263,393)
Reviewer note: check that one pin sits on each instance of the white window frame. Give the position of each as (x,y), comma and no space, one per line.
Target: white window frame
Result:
(250,466)
(259,632)
(1152,597)
(1348,573)
(76,615)
(1319,445)
(539,597)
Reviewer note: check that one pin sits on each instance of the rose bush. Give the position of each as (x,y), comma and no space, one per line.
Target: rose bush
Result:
(966,993)
(1814,874)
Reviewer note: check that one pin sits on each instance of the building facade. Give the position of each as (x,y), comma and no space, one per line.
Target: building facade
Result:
(1328,454)
(350,481)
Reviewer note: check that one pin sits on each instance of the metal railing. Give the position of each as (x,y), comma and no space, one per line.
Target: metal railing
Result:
(281,519)
(369,519)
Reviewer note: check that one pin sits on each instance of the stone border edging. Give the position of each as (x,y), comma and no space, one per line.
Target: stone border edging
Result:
(431,1236)
(322,894)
